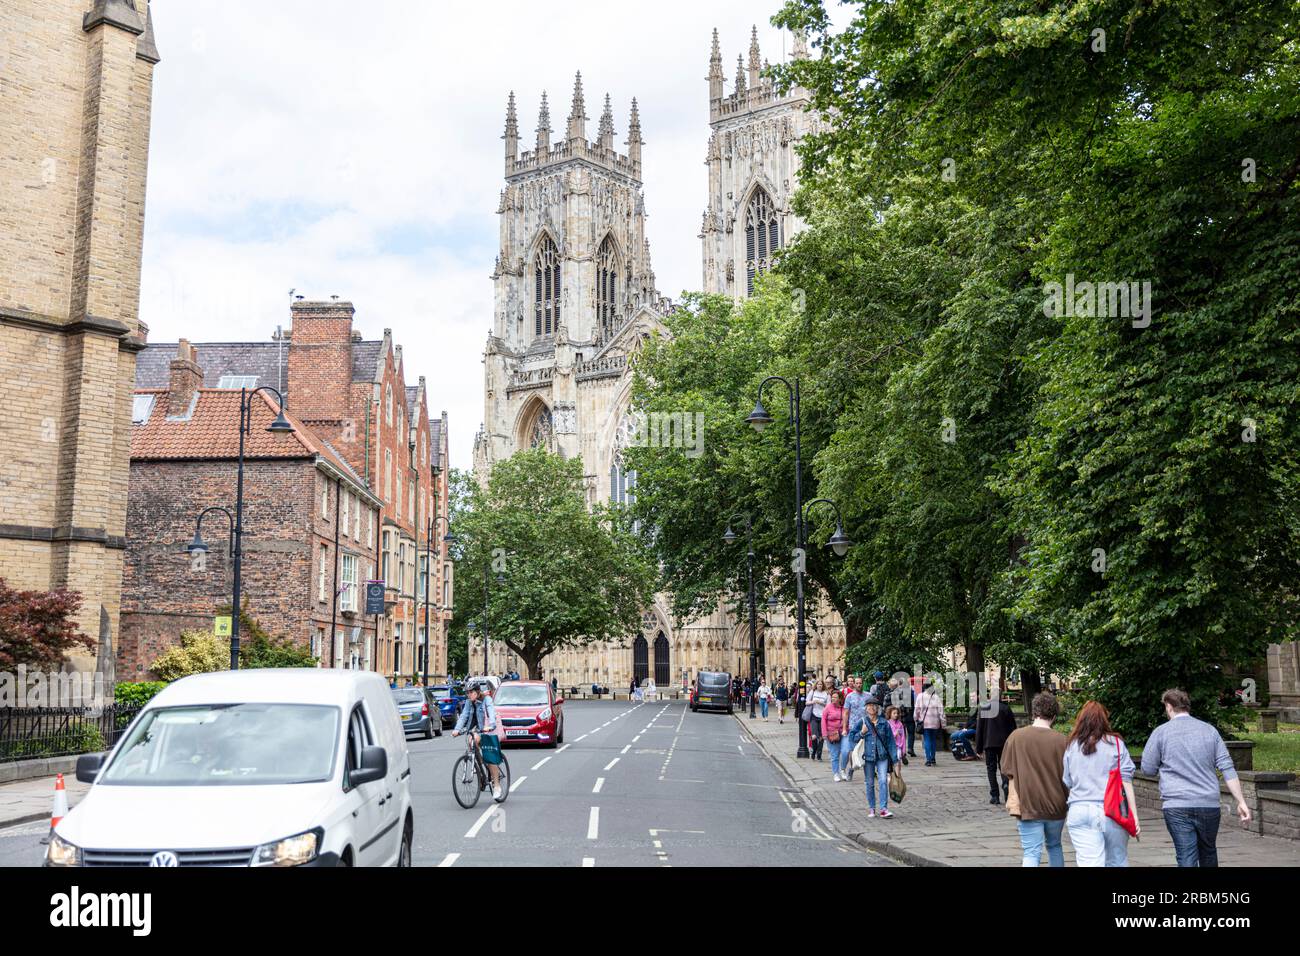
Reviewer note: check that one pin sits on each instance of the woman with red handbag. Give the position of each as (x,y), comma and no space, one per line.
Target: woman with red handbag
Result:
(1098,771)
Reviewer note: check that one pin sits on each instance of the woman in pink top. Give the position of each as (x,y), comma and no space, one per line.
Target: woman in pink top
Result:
(835,728)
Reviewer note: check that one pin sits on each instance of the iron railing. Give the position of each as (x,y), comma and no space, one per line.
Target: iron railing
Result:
(28,733)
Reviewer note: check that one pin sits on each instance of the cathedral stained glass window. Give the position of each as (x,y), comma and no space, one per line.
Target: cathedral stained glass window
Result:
(546,294)
(762,236)
(542,430)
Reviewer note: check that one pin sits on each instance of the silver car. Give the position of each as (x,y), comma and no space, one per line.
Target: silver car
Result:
(418,709)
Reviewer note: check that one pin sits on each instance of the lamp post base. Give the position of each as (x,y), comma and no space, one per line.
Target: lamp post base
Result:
(802,753)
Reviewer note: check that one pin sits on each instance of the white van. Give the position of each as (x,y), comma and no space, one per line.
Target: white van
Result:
(292,767)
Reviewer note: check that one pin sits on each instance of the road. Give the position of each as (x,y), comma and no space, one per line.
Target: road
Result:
(648,784)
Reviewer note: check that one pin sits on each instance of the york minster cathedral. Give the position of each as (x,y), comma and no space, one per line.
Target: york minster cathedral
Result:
(575,294)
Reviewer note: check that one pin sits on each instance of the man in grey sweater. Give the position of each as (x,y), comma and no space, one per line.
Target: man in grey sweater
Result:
(1186,752)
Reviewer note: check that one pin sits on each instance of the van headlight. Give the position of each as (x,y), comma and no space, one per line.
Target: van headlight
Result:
(291,851)
(62,853)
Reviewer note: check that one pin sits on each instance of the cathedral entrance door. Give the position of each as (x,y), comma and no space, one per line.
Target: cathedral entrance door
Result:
(640,660)
(662,676)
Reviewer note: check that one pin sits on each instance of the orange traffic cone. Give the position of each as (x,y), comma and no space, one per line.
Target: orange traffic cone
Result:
(60,802)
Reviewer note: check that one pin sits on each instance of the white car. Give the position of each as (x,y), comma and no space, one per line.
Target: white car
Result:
(285,767)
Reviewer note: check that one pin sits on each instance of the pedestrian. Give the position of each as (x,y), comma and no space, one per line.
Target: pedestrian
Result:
(880,689)
(930,718)
(782,699)
(907,705)
(764,693)
(555,684)
(878,756)
(817,701)
(1185,752)
(855,703)
(895,720)
(835,732)
(962,742)
(1034,758)
(1092,752)
(996,723)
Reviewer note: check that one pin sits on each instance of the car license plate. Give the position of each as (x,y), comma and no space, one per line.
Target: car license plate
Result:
(516,732)
(705,700)
(408,716)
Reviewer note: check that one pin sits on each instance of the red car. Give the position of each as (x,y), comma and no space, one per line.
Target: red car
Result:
(530,712)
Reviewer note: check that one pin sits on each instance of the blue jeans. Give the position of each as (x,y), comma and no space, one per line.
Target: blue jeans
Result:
(1033,834)
(930,737)
(964,737)
(763,706)
(1098,840)
(1194,831)
(877,772)
(840,754)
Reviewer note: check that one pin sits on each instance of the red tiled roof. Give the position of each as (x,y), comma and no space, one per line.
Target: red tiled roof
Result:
(212,432)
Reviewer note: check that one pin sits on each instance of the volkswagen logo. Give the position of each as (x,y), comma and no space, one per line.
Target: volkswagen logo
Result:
(165,858)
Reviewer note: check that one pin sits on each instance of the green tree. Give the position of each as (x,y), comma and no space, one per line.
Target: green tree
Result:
(1144,465)
(568,576)
(198,652)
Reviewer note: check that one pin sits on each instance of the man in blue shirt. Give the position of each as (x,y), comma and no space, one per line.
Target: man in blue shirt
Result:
(1186,752)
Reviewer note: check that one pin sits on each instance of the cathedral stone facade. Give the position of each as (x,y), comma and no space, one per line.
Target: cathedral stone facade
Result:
(575,295)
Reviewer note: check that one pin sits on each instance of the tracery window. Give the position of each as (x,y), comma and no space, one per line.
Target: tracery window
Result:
(542,430)
(762,236)
(607,287)
(546,292)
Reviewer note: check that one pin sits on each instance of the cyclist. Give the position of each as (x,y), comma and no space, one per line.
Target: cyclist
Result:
(479,718)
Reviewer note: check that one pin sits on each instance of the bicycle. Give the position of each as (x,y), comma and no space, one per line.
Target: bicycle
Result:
(470,776)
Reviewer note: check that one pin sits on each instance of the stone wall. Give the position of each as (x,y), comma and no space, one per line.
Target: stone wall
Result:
(1284,680)
(1273,801)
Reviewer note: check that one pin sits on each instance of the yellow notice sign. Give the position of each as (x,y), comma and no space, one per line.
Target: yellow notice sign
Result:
(221,625)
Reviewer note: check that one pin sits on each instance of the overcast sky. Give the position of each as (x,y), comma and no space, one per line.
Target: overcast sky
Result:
(353,149)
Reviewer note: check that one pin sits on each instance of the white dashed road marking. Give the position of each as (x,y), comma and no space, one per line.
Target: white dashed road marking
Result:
(450,859)
(600,782)
(537,766)
(610,765)
(593,824)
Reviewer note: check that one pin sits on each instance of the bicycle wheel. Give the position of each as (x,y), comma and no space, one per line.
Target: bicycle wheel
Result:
(504,767)
(464,782)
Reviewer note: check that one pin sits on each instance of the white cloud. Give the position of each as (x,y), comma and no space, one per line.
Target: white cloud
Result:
(354,149)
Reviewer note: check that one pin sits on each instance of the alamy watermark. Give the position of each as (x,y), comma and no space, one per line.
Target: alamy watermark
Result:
(75,689)
(1102,300)
(667,430)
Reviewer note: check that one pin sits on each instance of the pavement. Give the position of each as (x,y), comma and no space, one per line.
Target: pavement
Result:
(946,818)
(647,785)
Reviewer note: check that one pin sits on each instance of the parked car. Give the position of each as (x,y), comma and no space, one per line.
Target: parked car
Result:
(289,767)
(450,698)
(712,691)
(418,708)
(530,712)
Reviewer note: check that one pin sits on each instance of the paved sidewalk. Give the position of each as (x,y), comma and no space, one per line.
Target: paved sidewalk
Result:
(946,819)
(30,800)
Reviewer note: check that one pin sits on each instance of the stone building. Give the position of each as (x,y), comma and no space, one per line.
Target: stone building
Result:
(352,393)
(309,525)
(574,297)
(76,81)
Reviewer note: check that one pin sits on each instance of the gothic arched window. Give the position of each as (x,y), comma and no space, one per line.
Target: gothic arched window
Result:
(762,236)
(607,287)
(546,279)
(539,436)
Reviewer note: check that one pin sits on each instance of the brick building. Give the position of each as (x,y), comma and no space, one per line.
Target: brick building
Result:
(75,103)
(310,525)
(352,394)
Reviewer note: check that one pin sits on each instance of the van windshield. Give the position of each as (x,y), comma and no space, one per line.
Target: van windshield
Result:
(715,680)
(227,745)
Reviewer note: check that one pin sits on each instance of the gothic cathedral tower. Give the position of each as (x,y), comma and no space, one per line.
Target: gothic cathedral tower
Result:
(753,170)
(574,293)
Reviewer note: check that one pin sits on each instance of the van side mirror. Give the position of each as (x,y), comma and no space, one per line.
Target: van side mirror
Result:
(374,766)
(88,767)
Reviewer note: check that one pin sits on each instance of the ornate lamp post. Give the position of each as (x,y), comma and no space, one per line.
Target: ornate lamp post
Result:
(730,538)
(760,419)
(280,426)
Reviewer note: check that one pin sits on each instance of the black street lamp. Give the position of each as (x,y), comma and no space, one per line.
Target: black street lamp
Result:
(730,538)
(198,546)
(280,426)
(448,539)
(760,419)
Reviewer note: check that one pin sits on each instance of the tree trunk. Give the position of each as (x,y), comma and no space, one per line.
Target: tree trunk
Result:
(1031,683)
(974,657)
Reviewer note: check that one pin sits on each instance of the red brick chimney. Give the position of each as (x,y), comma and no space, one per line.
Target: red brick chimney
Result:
(186,379)
(320,360)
